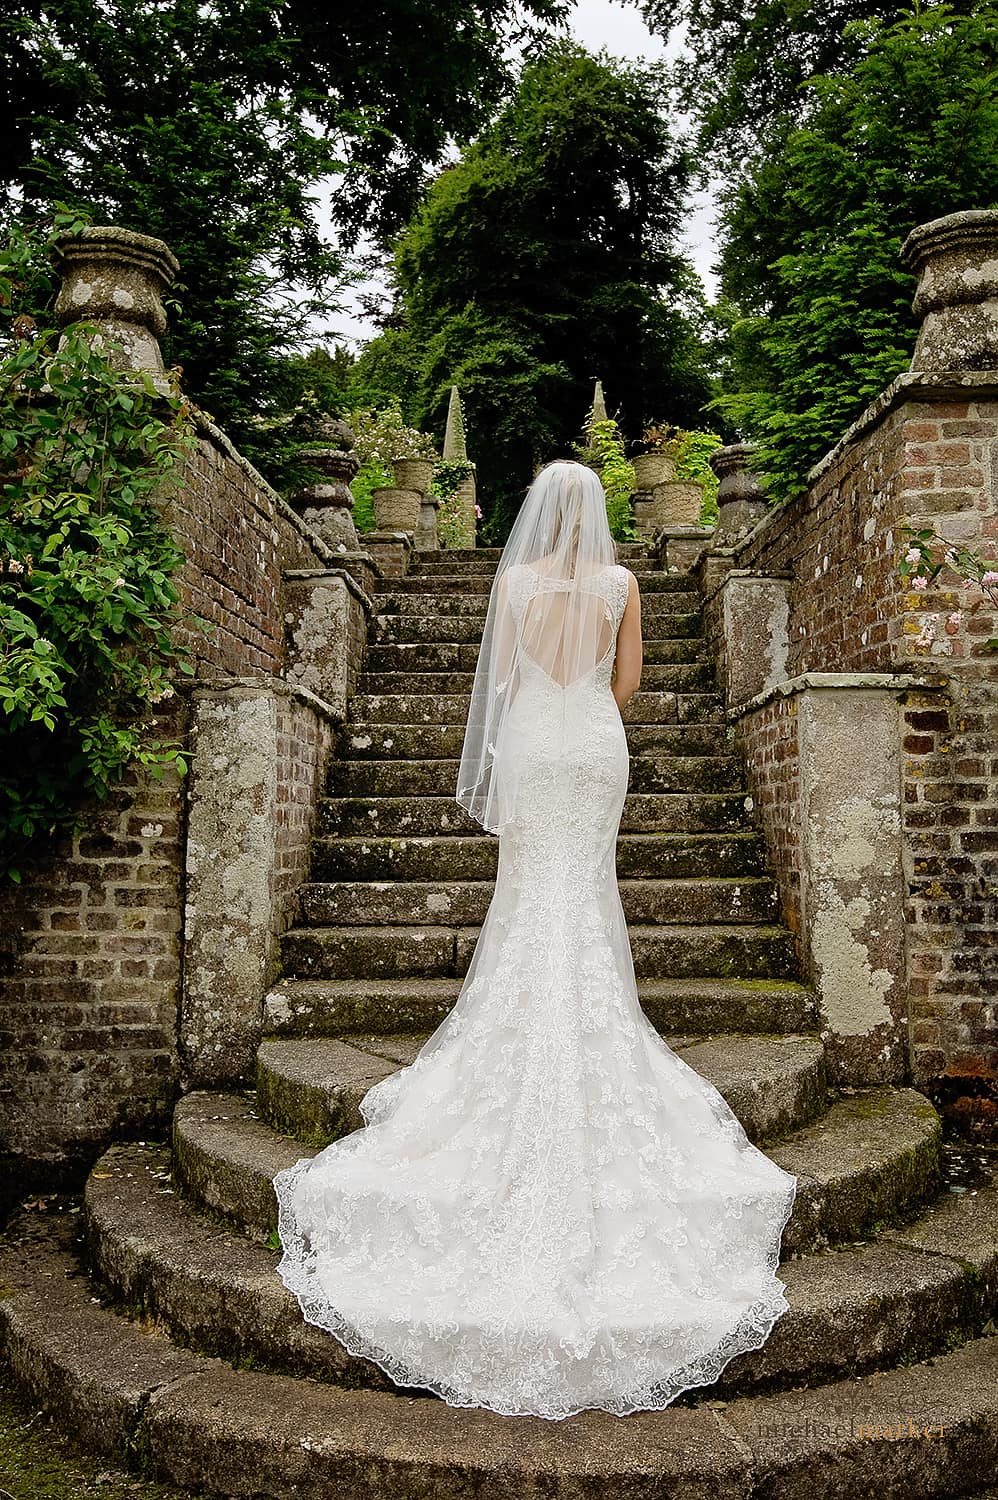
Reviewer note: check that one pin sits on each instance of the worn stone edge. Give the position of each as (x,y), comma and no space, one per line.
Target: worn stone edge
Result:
(206,687)
(898,681)
(305,575)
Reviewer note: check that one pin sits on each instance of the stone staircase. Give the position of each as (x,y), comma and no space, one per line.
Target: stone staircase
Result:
(150,1314)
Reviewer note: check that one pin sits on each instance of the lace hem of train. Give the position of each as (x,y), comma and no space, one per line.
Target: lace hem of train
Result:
(296,1269)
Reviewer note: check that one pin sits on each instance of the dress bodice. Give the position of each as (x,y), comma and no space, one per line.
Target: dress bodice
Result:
(610,584)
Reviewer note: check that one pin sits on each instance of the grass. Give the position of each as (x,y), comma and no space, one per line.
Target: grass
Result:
(38,1462)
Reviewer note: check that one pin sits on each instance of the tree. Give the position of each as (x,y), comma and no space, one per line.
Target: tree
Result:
(818,300)
(545,257)
(209,126)
(747,61)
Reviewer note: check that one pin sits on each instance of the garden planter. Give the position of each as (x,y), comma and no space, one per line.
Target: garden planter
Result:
(651,469)
(413,474)
(396,509)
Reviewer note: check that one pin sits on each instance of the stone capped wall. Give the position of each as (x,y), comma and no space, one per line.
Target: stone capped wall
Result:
(925,453)
(92,944)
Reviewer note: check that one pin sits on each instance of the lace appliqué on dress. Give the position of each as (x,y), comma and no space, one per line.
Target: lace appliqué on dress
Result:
(549,1210)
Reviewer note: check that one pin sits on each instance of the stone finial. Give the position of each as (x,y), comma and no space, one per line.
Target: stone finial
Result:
(740,498)
(956,259)
(455,444)
(599,406)
(116,278)
(327,504)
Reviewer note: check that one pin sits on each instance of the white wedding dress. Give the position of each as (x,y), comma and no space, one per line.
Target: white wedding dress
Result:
(549,1210)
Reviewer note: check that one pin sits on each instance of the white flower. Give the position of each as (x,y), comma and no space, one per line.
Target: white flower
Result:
(919,581)
(913,555)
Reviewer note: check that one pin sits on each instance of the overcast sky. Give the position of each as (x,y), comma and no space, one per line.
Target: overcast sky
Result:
(622,31)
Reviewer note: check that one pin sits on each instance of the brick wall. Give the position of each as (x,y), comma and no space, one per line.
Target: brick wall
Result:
(925,453)
(89,984)
(91,943)
(238,537)
(304,741)
(768,740)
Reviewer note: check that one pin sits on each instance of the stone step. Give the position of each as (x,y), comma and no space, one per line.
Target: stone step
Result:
(657,856)
(430,556)
(386,629)
(457,684)
(652,812)
(462,582)
(445,708)
(752,951)
(407,903)
(853,1310)
(311,1088)
(200,1423)
(371,740)
(442,562)
(657,606)
(675,677)
(458,656)
(685,1006)
(424,778)
(870,1156)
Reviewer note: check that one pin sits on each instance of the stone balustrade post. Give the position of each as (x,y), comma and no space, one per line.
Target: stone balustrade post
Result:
(116,278)
(956,260)
(740,500)
(327,504)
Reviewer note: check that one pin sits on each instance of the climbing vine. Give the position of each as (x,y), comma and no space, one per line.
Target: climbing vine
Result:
(452,524)
(604,449)
(926,554)
(88,594)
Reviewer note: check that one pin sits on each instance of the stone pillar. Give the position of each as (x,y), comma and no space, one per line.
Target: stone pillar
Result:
(853,881)
(231,852)
(327,504)
(755,613)
(740,501)
(956,259)
(116,278)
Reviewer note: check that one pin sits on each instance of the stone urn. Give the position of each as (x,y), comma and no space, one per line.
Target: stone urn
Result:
(413,474)
(116,278)
(396,509)
(956,260)
(740,500)
(651,469)
(326,504)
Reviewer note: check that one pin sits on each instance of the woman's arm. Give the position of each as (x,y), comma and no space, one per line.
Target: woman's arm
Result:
(627,665)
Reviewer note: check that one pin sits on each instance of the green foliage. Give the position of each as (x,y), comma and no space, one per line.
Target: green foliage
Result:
(447,480)
(811,261)
(87,568)
(372,475)
(745,61)
(211,126)
(604,449)
(544,256)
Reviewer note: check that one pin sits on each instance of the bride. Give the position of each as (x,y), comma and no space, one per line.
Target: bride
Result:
(548,1210)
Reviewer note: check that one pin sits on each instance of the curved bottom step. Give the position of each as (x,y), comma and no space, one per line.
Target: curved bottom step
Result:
(931,1428)
(862,1308)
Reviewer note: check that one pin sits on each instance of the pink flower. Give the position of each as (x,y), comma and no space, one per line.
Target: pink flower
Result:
(990,578)
(478,511)
(913,555)
(919,581)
